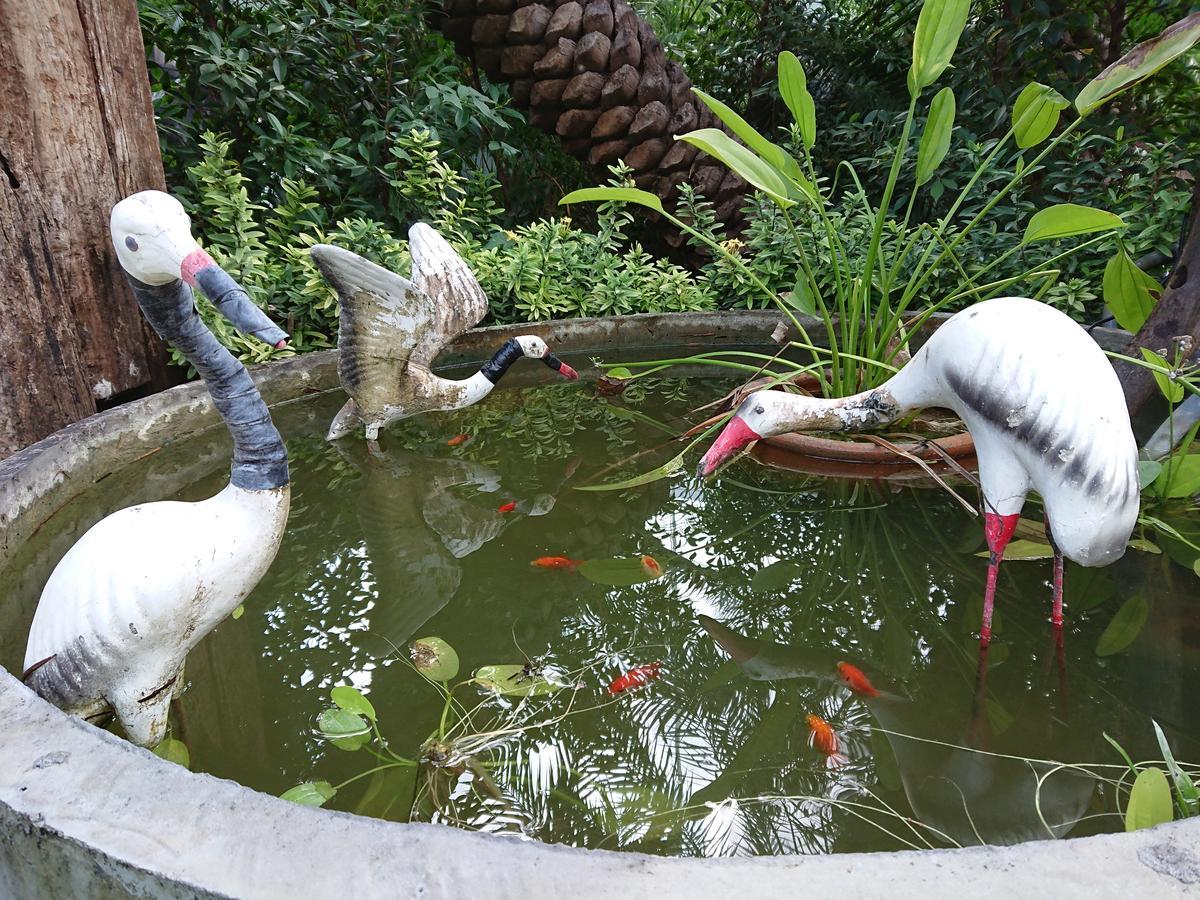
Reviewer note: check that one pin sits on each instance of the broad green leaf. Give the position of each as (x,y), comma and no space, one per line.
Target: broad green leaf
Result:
(1148,470)
(344,729)
(618,194)
(749,135)
(512,681)
(1069,220)
(777,576)
(793,87)
(939,27)
(1087,588)
(1170,388)
(935,139)
(621,571)
(670,467)
(620,372)
(1149,801)
(764,176)
(1025,550)
(173,750)
(1129,292)
(1180,477)
(1141,62)
(311,793)
(1177,534)
(352,700)
(1125,626)
(434,658)
(239,612)
(801,298)
(1187,796)
(808,132)
(1036,113)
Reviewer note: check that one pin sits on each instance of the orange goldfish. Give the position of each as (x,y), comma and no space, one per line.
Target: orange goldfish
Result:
(824,739)
(635,677)
(652,566)
(555,562)
(458,439)
(856,680)
(507,507)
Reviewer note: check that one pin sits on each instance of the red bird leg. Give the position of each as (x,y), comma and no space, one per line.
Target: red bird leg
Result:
(1056,615)
(977,731)
(999,531)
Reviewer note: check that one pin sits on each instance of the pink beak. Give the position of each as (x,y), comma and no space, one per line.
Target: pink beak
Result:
(736,435)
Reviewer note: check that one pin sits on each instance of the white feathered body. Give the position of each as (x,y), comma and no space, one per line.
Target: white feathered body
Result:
(1046,412)
(129,600)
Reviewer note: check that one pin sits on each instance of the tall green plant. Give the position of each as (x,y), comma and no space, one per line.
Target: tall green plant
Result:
(863,293)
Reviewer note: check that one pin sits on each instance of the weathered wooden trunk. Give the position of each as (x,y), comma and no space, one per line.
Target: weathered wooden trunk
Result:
(76,134)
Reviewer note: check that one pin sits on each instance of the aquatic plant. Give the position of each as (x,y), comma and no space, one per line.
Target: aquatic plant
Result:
(865,294)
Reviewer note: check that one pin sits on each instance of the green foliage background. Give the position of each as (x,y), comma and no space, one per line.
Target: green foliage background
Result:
(288,122)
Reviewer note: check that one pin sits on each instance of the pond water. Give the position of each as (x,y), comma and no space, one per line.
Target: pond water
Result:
(768,581)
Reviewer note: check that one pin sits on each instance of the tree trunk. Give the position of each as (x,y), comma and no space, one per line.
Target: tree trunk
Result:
(1175,317)
(595,74)
(76,135)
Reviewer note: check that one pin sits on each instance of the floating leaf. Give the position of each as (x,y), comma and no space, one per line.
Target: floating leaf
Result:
(434,658)
(619,372)
(667,469)
(239,612)
(620,572)
(1148,470)
(311,793)
(743,162)
(1144,545)
(939,27)
(1171,389)
(1180,477)
(344,729)
(1068,220)
(1187,796)
(1125,626)
(1036,113)
(1149,800)
(776,577)
(1025,550)
(175,751)
(1141,62)
(1129,292)
(512,681)
(771,152)
(935,139)
(615,194)
(352,700)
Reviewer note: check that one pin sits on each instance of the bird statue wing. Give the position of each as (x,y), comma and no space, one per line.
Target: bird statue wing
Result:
(456,300)
(384,317)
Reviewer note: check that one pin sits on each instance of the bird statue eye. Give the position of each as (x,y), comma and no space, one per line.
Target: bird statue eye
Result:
(130,242)
(759,410)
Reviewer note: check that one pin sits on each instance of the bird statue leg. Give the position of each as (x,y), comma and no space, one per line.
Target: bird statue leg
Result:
(1056,613)
(999,531)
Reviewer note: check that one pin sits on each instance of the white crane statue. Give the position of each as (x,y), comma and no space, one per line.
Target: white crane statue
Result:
(142,586)
(1044,408)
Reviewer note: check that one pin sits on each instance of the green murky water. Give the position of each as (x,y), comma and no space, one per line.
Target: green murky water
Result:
(713,757)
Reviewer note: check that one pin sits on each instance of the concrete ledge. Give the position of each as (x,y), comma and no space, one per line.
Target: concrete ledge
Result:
(83,813)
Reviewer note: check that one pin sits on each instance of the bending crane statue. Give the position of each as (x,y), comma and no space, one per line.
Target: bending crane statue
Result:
(391,329)
(141,588)
(1043,406)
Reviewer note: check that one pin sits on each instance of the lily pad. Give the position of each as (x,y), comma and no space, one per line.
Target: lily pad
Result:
(511,681)
(434,658)
(346,730)
(352,700)
(621,571)
(173,750)
(311,793)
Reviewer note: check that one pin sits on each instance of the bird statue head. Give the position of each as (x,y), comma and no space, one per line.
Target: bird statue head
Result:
(763,414)
(534,347)
(153,238)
